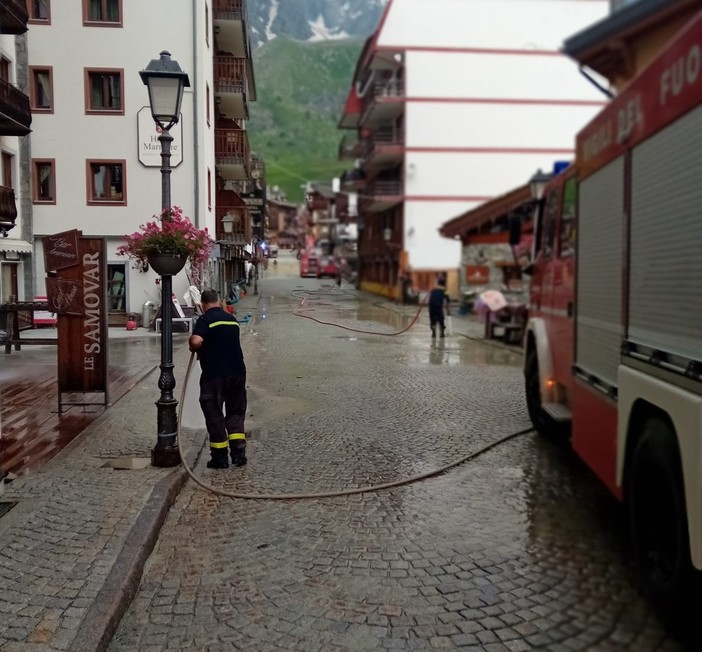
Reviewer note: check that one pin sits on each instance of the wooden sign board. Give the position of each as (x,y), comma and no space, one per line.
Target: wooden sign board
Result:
(82,337)
(477,274)
(64,297)
(60,250)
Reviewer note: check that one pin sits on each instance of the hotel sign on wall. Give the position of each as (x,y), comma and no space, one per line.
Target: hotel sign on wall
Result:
(147,139)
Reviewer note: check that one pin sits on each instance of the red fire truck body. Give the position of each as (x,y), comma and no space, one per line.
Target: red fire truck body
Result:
(614,341)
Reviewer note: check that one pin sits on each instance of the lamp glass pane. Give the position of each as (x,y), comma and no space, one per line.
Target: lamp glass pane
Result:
(165,94)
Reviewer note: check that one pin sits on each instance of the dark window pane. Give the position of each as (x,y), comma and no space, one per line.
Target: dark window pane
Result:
(42,86)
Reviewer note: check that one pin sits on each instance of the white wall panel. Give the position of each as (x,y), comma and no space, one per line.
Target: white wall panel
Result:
(456,125)
(427,249)
(496,75)
(470,175)
(510,24)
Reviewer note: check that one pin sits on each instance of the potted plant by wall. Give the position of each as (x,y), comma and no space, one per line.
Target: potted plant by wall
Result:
(167,243)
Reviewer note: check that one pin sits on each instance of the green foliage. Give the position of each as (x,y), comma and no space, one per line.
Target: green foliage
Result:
(301,90)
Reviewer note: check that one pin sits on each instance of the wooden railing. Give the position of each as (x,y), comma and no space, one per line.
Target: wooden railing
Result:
(382,137)
(14,104)
(384,188)
(229,9)
(8,207)
(241,226)
(232,144)
(349,147)
(230,74)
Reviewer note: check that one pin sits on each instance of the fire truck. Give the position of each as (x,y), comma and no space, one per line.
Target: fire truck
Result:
(613,348)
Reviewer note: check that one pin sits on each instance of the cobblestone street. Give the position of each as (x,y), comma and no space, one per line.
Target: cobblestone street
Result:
(519,549)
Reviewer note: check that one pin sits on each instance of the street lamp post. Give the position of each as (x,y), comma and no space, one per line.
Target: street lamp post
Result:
(255,251)
(165,81)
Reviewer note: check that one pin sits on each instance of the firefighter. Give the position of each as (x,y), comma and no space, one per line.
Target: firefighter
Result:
(215,338)
(437,302)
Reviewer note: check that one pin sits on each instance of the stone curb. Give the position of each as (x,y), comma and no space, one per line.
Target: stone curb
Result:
(114,598)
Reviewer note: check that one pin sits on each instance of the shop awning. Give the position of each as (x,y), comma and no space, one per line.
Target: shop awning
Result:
(19,246)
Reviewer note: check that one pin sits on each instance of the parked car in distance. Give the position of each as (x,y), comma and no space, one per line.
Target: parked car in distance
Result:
(308,264)
(327,267)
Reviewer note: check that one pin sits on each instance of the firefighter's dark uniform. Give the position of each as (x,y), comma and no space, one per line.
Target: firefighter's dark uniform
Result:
(437,299)
(222,384)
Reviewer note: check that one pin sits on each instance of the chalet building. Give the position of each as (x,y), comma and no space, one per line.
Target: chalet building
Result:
(95,158)
(15,121)
(488,259)
(621,45)
(281,227)
(446,112)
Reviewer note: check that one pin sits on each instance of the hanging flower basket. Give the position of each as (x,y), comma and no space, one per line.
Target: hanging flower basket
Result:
(168,243)
(167,263)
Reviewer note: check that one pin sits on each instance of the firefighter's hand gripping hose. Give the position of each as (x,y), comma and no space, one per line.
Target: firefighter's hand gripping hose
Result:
(327,494)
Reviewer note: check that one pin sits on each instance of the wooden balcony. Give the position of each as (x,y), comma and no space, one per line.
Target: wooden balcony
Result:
(384,148)
(232,154)
(15,113)
(381,195)
(383,103)
(241,226)
(231,86)
(8,208)
(229,20)
(13,17)
(352,180)
(350,148)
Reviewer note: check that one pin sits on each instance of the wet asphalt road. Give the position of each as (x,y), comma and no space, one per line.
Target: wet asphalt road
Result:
(517,550)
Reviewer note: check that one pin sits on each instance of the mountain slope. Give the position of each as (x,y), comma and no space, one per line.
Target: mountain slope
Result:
(301,91)
(305,20)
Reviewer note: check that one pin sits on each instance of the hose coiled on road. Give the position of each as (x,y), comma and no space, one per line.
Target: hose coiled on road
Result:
(329,494)
(341,492)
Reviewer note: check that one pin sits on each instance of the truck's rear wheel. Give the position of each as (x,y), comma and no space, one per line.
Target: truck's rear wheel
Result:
(658,517)
(545,425)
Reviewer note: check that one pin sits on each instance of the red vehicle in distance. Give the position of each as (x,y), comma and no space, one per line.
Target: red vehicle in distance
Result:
(308,263)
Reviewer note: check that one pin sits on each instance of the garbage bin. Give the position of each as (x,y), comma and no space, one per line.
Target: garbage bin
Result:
(148,313)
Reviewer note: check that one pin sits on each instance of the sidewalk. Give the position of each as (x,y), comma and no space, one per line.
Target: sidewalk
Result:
(74,537)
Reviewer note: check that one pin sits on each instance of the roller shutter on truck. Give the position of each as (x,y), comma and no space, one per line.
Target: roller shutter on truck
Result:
(665,294)
(599,273)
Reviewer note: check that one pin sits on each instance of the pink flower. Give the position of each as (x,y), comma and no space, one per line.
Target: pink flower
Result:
(170,232)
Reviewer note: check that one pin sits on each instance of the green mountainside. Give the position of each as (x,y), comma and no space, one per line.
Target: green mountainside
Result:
(301,90)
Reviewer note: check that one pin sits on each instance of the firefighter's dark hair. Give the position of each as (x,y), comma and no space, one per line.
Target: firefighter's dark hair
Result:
(209,296)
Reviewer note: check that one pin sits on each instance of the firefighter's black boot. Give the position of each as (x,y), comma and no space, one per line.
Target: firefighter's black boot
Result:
(238,453)
(218,459)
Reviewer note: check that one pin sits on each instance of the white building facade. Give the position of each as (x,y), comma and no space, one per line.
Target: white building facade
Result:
(95,156)
(15,120)
(456,102)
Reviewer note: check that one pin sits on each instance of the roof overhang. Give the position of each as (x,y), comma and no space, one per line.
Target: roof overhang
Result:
(502,206)
(601,47)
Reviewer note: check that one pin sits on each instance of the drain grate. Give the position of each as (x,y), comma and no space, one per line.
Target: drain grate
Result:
(5,507)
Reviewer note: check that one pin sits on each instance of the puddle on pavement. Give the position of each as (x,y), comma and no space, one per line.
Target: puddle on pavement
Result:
(457,351)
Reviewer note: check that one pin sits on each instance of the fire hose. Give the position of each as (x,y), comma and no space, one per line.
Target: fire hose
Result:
(340,492)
